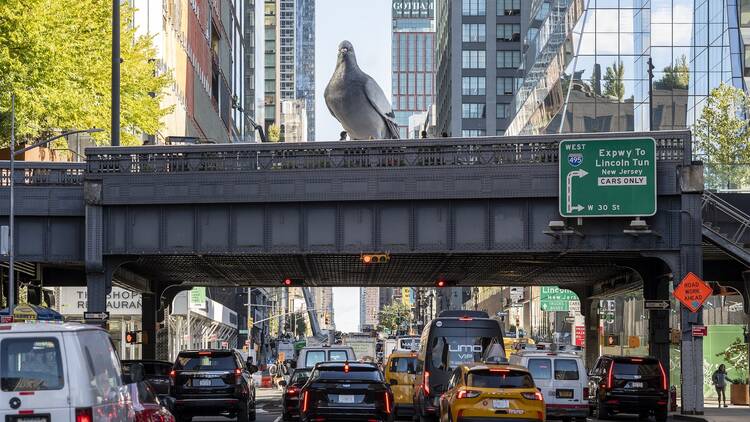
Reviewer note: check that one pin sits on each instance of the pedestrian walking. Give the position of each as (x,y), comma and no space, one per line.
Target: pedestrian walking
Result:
(719,379)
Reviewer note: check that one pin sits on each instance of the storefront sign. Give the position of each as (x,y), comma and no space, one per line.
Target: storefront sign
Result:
(580,335)
(73,301)
(412,9)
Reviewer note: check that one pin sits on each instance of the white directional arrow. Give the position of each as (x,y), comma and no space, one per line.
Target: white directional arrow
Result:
(569,193)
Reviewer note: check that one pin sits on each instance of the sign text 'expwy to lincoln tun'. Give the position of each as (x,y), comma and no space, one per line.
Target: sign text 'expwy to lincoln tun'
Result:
(607,177)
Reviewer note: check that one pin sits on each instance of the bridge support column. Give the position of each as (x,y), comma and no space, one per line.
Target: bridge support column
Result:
(589,309)
(691,260)
(149,309)
(656,287)
(98,286)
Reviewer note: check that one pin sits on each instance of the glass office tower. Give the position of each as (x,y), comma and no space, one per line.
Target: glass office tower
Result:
(589,72)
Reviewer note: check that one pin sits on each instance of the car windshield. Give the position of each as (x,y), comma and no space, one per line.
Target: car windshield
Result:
(300,377)
(30,364)
(404,365)
(541,369)
(337,356)
(205,362)
(354,374)
(505,378)
(648,369)
(314,356)
(566,369)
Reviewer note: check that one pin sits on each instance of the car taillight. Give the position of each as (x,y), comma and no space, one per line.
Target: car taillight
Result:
(237,375)
(305,400)
(468,394)
(292,391)
(585,393)
(149,415)
(387,403)
(663,377)
(533,396)
(611,374)
(84,415)
(172,376)
(426,382)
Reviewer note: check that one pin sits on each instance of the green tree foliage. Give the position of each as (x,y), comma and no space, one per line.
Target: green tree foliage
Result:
(676,76)
(274,133)
(737,358)
(391,317)
(614,84)
(55,55)
(722,137)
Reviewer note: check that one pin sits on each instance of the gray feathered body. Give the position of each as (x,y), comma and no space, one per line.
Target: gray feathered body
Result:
(358,103)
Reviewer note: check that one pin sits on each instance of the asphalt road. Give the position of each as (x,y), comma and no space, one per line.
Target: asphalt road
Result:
(269,410)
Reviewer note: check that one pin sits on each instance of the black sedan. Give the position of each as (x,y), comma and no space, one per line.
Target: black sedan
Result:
(339,391)
(290,399)
(156,373)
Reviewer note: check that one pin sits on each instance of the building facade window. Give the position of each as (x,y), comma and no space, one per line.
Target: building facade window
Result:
(474,7)
(508,59)
(473,85)
(502,111)
(509,32)
(472,111)
(506,86)
(470,133)
(508,7)
(474,59)
(474,32)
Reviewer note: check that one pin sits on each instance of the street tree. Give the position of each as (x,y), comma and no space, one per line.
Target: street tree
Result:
(722,137)
(392,316)
(55,57)
(274,133)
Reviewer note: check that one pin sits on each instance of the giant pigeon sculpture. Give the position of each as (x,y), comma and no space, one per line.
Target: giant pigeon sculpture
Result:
(356,100)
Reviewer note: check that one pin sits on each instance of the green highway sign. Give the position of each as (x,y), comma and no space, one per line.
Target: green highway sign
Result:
(555,299)
(607,177)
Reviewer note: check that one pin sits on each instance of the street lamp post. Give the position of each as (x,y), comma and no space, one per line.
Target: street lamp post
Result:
(11,214)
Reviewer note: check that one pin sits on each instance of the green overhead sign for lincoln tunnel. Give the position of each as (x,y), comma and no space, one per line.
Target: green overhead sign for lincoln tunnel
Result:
(608,177)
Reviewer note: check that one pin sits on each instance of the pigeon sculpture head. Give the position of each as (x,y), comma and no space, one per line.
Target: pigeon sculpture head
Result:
(356,100)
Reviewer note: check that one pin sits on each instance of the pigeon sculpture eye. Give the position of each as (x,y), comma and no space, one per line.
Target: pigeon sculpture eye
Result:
(357,101)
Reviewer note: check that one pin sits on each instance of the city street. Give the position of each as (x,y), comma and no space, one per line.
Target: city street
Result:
(268,403)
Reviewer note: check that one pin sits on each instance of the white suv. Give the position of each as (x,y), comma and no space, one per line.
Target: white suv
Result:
(60,372)
(561,376)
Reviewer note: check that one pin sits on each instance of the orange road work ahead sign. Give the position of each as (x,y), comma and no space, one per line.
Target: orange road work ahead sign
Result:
(692,292)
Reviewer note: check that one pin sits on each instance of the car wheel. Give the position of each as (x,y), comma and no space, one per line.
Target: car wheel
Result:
(601,412)
(244,413)
(661,415)
(252,415)
(183,418)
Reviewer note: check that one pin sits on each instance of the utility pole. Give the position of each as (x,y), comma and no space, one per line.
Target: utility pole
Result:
(650,94)
(11,250)
(115,73)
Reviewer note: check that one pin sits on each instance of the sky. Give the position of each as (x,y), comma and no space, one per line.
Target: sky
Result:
(367,25)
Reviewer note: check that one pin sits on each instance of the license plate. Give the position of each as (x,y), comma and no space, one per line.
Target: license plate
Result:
(634,384)
(500,404)
(565,394)
(204,383)
(27,418)
(346,399)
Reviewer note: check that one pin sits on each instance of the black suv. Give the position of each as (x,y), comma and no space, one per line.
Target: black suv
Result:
(211,383)
(629,384)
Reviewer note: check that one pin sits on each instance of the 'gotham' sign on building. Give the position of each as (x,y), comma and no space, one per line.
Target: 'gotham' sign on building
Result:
(411,9)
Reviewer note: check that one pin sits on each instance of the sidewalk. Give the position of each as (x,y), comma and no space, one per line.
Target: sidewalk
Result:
(712,413)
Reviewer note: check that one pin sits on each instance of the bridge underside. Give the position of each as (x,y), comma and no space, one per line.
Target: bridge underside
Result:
(464,269)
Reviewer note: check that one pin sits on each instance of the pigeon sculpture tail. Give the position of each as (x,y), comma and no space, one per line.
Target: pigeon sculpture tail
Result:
(356,100)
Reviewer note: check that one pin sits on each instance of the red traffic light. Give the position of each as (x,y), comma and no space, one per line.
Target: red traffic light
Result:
(290,282)
(287,281)
(440,283)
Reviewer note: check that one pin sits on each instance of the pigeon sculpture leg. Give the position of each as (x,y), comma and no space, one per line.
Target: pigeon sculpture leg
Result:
(356,100)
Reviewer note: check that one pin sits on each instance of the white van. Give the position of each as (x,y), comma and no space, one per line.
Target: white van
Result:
(55,372)
(561,375)
(309,356)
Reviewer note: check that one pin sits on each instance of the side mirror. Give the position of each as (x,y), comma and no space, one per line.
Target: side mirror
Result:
(251,368)
(393,382)
(137,373)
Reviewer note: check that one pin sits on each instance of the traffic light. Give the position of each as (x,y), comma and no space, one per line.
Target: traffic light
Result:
(441,282)
(131,337)
(375,258)
(292,282)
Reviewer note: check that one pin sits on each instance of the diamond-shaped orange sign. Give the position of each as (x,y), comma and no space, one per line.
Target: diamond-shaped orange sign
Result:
(692,292)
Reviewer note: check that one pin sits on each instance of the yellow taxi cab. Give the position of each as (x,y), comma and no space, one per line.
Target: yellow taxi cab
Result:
(486,391)
(512,344)
(400,370)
